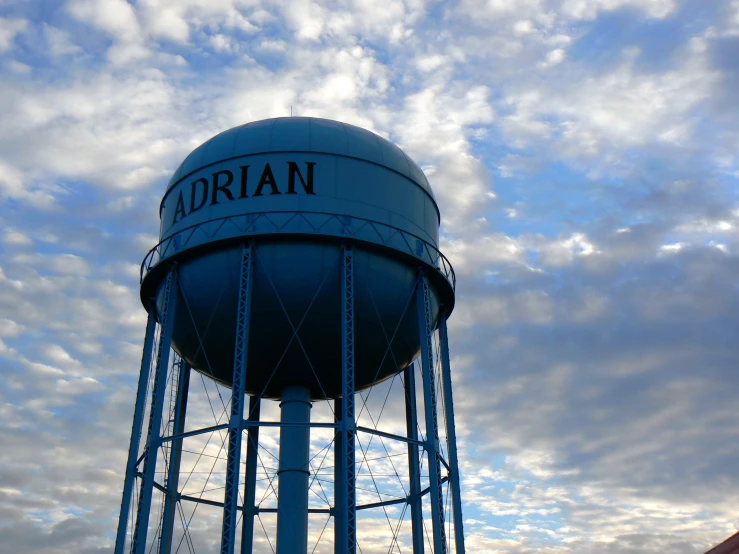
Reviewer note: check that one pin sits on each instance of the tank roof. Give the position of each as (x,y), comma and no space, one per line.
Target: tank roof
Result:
(302,134)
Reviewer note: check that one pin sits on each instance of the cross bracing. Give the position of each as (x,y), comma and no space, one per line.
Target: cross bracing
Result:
(388,482)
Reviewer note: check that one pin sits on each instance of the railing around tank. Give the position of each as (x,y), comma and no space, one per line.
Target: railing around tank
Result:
(297,223)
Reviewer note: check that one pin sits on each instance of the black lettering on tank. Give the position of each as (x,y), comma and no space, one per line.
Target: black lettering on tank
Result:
(307,183)
(179,208)
(203,199)
(267,178)
(200,189)
(244,175)
(222,188)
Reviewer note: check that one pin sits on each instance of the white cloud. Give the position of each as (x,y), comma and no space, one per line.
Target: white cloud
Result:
(9,328)
(118,19)
(556,56)
(431,63)
(672,248)
(127,147)
(523,27)
(60,42)
(706,226)
(566,250)
(595,294)
(115,17)
(11,180)
(166,20)
(9,29)
(177,20)
(589,9)
(433,129)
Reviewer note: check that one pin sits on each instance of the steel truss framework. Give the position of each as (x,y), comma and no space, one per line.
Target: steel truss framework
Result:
(141,468)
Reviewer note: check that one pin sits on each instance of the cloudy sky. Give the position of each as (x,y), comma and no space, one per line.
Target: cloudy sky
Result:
(584,156)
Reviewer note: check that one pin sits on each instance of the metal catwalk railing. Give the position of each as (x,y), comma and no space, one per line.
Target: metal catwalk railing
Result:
(305,223)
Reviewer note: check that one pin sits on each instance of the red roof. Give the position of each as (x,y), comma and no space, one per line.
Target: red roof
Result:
(729,546)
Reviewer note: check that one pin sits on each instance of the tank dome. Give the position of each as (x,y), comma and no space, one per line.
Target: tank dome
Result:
(305,134)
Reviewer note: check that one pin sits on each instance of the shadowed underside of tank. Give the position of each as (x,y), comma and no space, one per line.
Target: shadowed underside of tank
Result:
(295,321)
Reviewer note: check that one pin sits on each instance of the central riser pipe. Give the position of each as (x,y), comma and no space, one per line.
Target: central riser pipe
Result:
(294,472)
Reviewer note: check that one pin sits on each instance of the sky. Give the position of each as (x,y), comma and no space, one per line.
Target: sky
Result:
(584,157)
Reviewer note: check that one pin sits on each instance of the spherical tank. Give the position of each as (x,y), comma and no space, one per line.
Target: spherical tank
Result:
(298,190)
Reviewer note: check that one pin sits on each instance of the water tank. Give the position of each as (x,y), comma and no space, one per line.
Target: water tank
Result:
(298,188)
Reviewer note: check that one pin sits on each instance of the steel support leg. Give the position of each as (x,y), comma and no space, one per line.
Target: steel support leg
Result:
(414,467)
(173,476)
(155,414)
(138,420)
(236,424)
(345,498)
(425,327)
(451,434)
(250,480)
(339,482)
(293,472)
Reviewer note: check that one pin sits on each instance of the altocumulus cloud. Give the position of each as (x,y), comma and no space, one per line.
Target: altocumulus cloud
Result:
(584,156)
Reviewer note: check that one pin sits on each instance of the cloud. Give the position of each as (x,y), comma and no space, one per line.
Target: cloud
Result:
(582,9)
(60,43)
(9,29)
(586,177)
(603,114)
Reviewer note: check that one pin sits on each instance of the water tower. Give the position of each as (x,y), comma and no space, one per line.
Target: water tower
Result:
(298,262)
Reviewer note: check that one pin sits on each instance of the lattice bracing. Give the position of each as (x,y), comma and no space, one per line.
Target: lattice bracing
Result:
(235,428)
(430,408)
(378,479)
(155,415)
(136,429)
(347,496)
(276,223)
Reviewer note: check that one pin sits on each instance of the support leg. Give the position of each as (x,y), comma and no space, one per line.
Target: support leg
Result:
(345,487)
(138,420)
(451,434)
(414,498)
(155,415)
(293,472)
(250,480)
(173,476)
(236,424)
(425,328)
(339,482)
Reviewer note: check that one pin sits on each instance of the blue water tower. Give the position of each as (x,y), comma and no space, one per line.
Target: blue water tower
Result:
(298,262)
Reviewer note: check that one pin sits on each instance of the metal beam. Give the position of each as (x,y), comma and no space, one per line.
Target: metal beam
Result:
(425,330)
(195,433)
(250,477)
(257,510)
(138,420)
(155,415)
(414,466)
(427,490)
(247,424)
(451,433)
(391,436)
(383,503)
(235,428)
(339,509)
(345,496)
(173,475)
